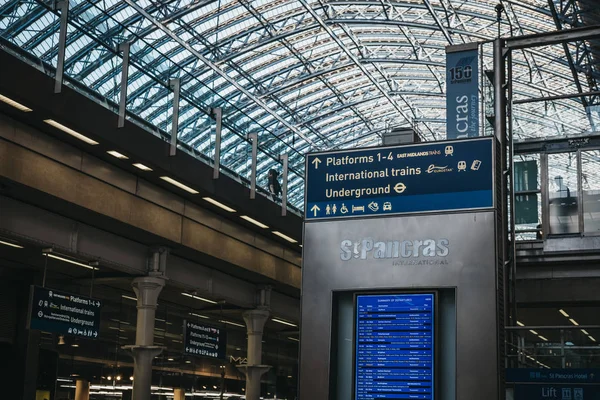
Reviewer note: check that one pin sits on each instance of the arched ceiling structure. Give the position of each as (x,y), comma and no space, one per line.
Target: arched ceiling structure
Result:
(302,74)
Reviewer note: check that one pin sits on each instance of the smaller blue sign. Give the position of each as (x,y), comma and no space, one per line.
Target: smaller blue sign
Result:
(556,392)
(462,94)
(556,375)
(64,313)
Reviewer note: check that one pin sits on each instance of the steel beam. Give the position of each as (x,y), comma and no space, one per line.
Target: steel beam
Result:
(438,21)
(550,38)
(175,85)
(217,114)
(253,137)
(559,97)
(284,187)
(62,43)
(214,67)
(124,47)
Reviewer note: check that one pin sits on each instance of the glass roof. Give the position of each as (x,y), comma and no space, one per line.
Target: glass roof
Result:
(302,74)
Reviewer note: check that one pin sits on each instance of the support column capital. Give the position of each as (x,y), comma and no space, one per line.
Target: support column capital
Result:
(255,320)
(147,289)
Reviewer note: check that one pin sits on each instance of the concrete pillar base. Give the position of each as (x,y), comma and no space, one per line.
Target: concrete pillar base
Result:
(253,374)
(178,394)
(142,369)
(82,389)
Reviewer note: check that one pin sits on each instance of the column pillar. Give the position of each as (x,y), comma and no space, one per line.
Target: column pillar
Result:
(179,394)
(254,370)
(147,289)
(82,389)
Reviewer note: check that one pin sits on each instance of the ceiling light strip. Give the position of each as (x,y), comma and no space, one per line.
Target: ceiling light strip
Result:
(67,260)
(179,184)
(193,296)
(280,321)
(253,221)
(118,155)
(284,236)
(563,312)
(14,104)
(218,204)
(10,244)
(231,323)
(142,167)
(71,132)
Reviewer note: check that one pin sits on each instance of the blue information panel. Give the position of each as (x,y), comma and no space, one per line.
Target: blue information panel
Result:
(440,176)
(394,346)
(462,94)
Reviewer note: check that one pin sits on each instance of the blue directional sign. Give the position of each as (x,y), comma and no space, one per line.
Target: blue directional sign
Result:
(394,346)
(64,313)
(204,340)
(437,176)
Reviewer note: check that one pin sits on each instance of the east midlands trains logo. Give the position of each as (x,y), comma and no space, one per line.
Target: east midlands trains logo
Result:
(402,252)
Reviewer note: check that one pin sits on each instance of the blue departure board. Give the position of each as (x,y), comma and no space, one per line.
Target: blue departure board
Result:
(394,346)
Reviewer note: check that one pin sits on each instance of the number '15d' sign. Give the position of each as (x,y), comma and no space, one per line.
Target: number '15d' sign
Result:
(437,176)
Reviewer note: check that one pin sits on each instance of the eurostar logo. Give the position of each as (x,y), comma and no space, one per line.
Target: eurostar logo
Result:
(433,169)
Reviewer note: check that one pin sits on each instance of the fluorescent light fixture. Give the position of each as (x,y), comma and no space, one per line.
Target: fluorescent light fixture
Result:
(128,297)
(543,338)
(294,339)
(11,244)
(282,322)
(193,296)
(231,323)
(585,332)
(520,323)
(119,321)
(67,260)
(218,204)
(199,315)
(179,184)
(563,312)
(118,155)
(573,321)
(592,339)
(142,167)
(14,104)
(70,131)
(532,331)
(188,362)
(253,221)
(286,237)
(170,359)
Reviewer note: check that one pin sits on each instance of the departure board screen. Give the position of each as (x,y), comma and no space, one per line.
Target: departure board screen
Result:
(394,346)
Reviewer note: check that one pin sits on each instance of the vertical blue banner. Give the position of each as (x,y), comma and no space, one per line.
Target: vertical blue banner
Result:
(462,93)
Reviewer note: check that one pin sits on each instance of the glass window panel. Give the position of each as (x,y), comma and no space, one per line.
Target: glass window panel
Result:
(562,193)
(590,182)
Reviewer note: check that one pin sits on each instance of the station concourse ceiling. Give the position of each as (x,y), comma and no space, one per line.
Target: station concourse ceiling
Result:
(304,74)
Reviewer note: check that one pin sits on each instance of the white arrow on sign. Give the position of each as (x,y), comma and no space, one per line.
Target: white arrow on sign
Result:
(314,209)
(316,162)
(400,187)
